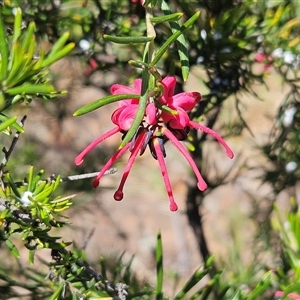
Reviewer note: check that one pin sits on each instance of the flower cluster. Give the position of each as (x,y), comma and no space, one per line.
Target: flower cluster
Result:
(165,118)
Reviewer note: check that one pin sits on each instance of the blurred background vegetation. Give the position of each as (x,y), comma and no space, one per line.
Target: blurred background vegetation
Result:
(244,59)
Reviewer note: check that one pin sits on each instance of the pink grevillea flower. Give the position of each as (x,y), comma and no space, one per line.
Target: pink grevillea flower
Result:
(166,118)
(279,294)
(267,60)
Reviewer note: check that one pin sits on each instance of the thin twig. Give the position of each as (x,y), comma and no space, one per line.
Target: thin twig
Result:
(87,240)
(69,178)
(7,153)
(85,176)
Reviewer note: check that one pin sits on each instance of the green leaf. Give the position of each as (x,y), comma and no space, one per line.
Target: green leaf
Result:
(17,24)
(49,60)
(3,49)
(29,38)
(103,101)
(264,283)
(12,185)
(209,262)
(138,64)
(167,18)
(13,249)
(159,268)
(141,110)
(174,37)
(195,278)
(15,125)
(209,287)
(21,73)
(59,44)
(44,194)
(56,295)
(56,183)
(7,123)
(127,272)
(39,188)
(30,178)
(45,217)
(17,62)
(36,180)
(28,88)
(181,43)
(103,266)
(128,39)
(31,256)
(291,289)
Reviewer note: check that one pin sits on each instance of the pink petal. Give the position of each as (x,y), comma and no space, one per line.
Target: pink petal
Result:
(117,89)
(137,146)
(127,102)
(116,115)
(151,114)
(79,158)
(124,116)
(169,83)
(209,131)
(161,161)
(179,121)
(127,116)
(201,183)
(137,83)
(109,163)
(186,101)
(122,89)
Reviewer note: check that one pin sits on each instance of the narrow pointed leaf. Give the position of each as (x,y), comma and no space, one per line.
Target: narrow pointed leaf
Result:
(181,42)
(4,125)
(31,256)
(174,37)
(12,185)
(28,88)
(39,188)
(36,179)
(260,287)
(102,102)
(141,109)
(195,278)
(15,125)
(59,44)
(16,62)
(13,249)
(56,295)
(167,18)
(138,64)
(128,39)
(29,37)
(30,178)
(3,49)
(58,55)
(159,268)
(17,24)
